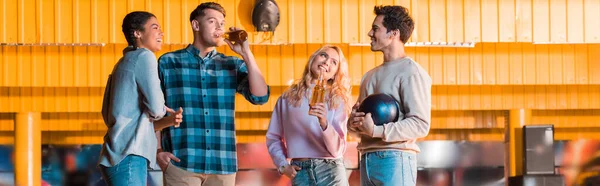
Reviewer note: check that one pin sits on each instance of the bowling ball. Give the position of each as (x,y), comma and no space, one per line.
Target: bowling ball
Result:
(383,108)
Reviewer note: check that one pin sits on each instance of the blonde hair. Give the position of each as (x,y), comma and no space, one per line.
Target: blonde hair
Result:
(339,89)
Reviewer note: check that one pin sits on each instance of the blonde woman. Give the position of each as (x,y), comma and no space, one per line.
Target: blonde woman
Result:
(313,137)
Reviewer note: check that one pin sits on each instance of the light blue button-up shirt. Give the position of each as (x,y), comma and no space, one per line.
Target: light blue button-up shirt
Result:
(133,99)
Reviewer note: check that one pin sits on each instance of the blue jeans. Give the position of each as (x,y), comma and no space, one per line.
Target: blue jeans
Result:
(317,172)
(133,170)
(388,168)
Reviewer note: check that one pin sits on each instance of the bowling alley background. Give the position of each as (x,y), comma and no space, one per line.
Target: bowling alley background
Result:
(496,65)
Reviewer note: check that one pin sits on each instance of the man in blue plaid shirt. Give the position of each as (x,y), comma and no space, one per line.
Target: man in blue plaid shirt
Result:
(204,82)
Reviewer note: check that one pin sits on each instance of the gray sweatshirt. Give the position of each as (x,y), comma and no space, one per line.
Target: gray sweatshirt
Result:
(410,85)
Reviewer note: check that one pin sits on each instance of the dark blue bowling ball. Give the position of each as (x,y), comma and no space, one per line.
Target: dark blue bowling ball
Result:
(383,108)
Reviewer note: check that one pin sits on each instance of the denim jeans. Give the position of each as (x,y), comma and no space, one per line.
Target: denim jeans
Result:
(133,170)
(388,168)
(318,172)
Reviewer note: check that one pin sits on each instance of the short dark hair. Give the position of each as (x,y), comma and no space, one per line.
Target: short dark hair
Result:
(396,17)
(132,22)
(199,11)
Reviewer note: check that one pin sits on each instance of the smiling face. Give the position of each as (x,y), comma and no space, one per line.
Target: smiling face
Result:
(151,37)
(327,60)
(380,37)
(210,26)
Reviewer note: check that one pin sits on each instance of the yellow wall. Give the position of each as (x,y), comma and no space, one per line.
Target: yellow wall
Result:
(311,21)
(473,87)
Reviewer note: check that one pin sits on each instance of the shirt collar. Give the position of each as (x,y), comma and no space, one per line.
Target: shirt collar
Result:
(191,49)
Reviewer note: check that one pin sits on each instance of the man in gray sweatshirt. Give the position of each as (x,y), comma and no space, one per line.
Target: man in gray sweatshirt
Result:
(388,152)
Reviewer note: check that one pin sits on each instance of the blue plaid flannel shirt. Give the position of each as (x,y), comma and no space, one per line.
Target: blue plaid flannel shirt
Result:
(205,88)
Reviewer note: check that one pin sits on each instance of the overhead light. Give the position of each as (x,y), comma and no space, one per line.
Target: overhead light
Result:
(429,44)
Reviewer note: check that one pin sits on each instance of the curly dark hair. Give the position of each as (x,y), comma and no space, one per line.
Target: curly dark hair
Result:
(396,18)
(132,22)
(199,11)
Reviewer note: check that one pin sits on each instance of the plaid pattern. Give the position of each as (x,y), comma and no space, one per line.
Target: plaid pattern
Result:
(205,88)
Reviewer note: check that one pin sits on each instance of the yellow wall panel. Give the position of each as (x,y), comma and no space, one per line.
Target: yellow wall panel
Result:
(297,14)
(515,63)
(441,98)
(581,64)
(315,21)
(436,60)
(80,67)
(274,66)
(47,21)
(487,101)
(24,66)
(421,15)
(100,27)
(64,21)
(529,64)
(9,54)
(558,18)
(368,60)
(314,17)
(568,62)
(541,21)
(594,64)
(542,66)
(455,27)
(7,122)
(476,59)
(463,66)
(366,16)
(449,66)
(349,23)
(2,63)
(117,11)
(94,67)
(502,66)
(594,100)
(332,21)
(453,98)
(506,21)
(556,67)
(82,22)
(508,97)
(592,23)
(524,27)
(66,63)
(437,20)
(287,65)
(9,24)
(489,63)
(27,14)
(14,99)
(173,24)
(567,118)
(552,94)
(52,66)
(38,67)
(575,26)
(489,21)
